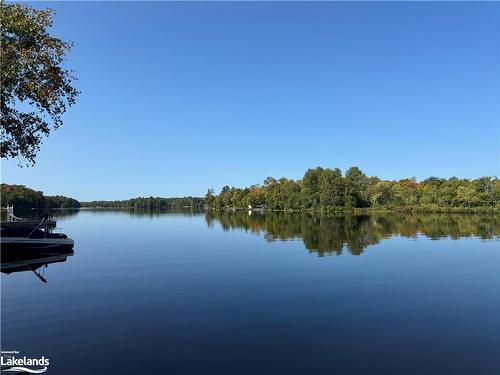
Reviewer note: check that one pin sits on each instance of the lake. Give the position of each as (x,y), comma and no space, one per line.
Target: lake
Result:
(250,293)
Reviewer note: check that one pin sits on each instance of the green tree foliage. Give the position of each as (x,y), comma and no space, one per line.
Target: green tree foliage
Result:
(60,201)
(35,87)
(329,190)
(311,188)
(355,183)
(148,203)
(254,198)
(24,198)
(210,197)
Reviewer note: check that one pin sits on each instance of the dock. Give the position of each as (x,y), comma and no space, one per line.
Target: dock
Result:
(28,224)
(16,222)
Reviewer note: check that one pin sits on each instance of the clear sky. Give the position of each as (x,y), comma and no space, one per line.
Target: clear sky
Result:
(179,97)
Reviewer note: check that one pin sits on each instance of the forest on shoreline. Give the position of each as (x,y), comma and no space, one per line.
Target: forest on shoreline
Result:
(325,189)
(23,198)
(320,189)
(148,203)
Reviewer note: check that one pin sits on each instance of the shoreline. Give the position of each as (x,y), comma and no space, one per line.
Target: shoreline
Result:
(340,211)
(372,210)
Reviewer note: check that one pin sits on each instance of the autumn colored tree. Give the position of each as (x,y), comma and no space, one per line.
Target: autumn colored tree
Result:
(326,189)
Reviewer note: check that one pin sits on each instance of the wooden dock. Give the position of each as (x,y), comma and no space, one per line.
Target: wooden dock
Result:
(16,222)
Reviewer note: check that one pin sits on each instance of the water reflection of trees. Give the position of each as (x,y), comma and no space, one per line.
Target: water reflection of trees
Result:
(325,234)
(67,213)
(146,213)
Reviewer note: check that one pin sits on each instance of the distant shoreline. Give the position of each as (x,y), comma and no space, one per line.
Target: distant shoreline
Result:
(372,210)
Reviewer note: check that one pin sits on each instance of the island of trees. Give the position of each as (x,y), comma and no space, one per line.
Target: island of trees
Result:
(326,189)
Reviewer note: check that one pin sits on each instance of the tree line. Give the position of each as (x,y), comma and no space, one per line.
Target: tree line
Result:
(24,198)
(330,190)
(149,203)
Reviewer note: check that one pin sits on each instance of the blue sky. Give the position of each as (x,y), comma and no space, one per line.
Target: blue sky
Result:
(180,97)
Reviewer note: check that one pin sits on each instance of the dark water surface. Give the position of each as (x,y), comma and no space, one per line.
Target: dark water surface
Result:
(233,293)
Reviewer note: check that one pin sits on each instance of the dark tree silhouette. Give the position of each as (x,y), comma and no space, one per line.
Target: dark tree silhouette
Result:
(35,87)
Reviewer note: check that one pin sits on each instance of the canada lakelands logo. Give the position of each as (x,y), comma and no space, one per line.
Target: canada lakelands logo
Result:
(13,362)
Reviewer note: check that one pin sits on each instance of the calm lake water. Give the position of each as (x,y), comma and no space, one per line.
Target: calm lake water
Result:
(234,293)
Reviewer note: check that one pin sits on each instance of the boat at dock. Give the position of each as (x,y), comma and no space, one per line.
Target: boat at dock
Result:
(32,240)
(30,236)
(17,222)
(27,223)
